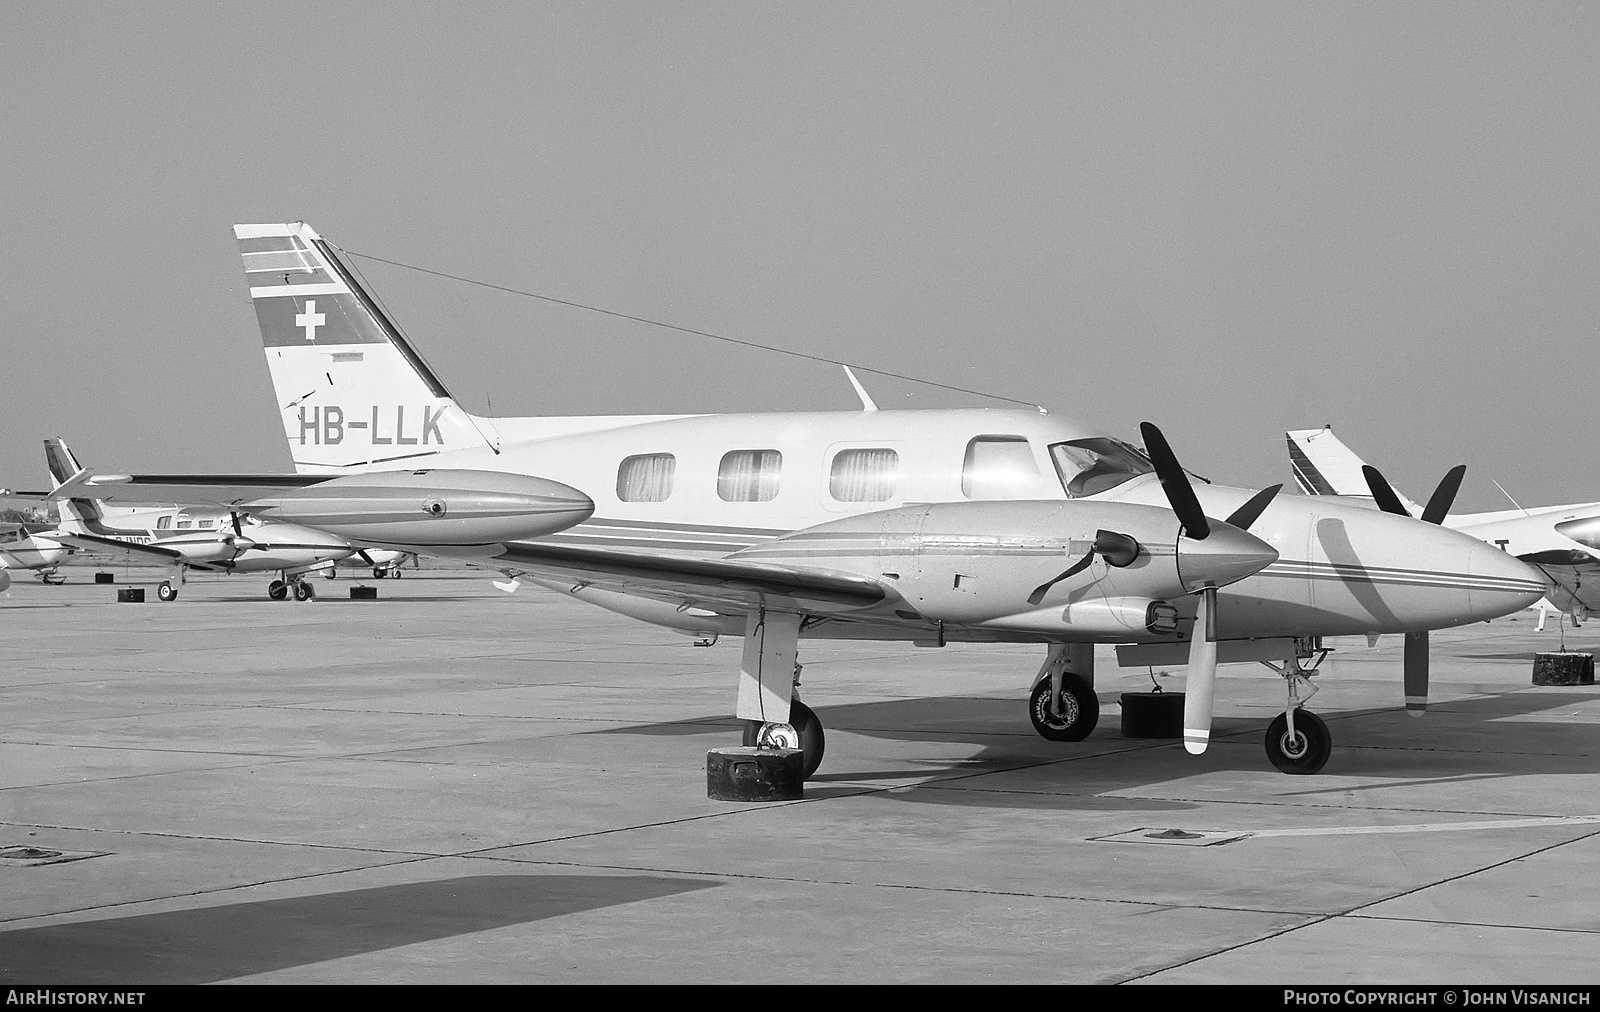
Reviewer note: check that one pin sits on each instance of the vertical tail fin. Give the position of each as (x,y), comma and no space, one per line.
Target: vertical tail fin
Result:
(75,514)
(352,390)
(1323,465)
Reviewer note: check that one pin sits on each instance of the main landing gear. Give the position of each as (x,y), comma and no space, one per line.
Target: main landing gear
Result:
(278,590)
(1062,705)
(1298,741)
(168,591)
(769,674)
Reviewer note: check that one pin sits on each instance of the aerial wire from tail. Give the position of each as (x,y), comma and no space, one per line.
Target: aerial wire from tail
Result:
(689,330)
(493,444)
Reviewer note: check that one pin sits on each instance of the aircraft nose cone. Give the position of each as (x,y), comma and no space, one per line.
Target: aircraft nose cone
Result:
(1501,583)
(1227,556)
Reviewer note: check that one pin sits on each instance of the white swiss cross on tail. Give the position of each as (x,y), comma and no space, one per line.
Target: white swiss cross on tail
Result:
(310,320)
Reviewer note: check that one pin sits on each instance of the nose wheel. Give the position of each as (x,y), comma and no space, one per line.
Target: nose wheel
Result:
(1070,718)
(1303,749)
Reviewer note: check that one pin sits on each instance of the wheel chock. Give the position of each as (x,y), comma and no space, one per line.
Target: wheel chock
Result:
(755,774)
(130,595)
(363,593)
(1152,714)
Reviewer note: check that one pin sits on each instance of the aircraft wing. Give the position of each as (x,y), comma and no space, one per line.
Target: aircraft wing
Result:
(731,584)
(195,489)
(128,549)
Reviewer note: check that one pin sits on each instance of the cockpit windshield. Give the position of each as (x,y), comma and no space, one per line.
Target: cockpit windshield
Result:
(1092,465)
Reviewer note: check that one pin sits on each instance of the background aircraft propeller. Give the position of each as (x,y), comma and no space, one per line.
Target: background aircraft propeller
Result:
(1200,678)
(1415,659)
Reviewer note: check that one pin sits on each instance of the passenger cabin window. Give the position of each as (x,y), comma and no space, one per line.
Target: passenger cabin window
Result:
(184,523)
(208,523)
(867,475)
(1087,466)
(749,475)
(646,477)
(164,523)
(1000,467)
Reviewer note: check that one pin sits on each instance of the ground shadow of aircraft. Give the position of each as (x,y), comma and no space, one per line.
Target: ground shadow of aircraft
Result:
(1485,737)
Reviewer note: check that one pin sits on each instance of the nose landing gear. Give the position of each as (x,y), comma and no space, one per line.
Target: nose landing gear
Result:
(1298,741)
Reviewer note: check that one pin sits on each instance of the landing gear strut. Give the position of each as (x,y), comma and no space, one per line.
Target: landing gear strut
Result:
(769,673)
(1298,741)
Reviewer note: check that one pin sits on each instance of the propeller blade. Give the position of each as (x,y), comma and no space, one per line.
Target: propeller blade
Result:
(1044,588)
(238,532)
(1416,673)
(1175,483)
(1251,511)
(1201,677)
(1382,494)
(1444,495)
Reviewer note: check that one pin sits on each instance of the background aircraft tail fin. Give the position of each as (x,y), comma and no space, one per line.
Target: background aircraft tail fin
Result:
(352,390)
(63,465)
(1323,465)
(75,514)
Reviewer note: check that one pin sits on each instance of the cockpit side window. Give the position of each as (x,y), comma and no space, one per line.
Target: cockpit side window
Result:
(164,523)
(1089,466)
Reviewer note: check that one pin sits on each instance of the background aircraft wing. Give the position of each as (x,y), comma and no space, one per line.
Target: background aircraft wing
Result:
(195,489)
(734,585)
(111,546)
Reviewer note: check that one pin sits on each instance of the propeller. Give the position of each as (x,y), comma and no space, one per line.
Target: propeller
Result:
(237,541)
(1118,550)
(1414,662)
(1200,677)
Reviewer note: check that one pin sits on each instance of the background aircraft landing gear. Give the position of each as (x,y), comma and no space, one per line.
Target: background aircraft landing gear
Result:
(167,592)
(806,725)
(1304,751)
(1079,709)
(277,590)
(303,591)
(378,572)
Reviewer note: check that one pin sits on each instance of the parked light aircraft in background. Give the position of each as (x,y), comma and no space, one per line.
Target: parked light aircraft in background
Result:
(299,524)
(184,538)
(1563,542)
(927,526)
(22,547)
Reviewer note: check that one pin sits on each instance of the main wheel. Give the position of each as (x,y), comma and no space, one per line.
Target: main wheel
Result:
(303,591)
(806,724)
(379,573)
(1080,710)
(277,590)
(1303,752)
(167,592)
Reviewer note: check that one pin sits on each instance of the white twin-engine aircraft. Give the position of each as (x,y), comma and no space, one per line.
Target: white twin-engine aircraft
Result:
(929,526)
(1562,542)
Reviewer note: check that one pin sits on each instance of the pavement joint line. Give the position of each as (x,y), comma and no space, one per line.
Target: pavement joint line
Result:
(1474,924)
(154,834)
(1354,912)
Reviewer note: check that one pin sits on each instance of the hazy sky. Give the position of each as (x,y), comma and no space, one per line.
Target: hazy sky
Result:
(1230,219)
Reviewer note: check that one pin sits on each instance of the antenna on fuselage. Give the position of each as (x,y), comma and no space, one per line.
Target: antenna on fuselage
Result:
(861,391)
